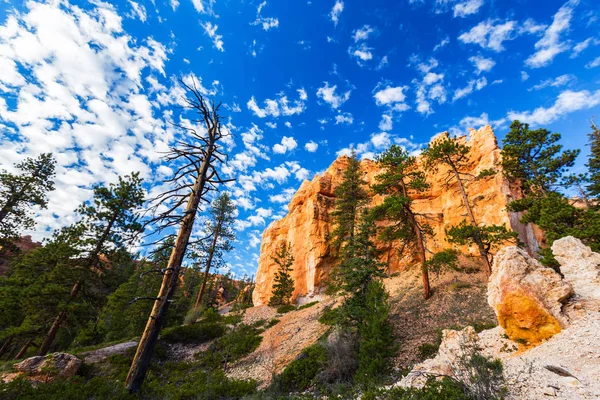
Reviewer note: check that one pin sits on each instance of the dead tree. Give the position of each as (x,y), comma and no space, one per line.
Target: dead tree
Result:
(197,158)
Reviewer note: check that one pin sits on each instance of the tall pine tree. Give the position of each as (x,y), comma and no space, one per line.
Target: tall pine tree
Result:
(283,288)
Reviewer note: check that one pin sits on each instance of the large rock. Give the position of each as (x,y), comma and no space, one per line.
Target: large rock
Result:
(526,296)
(308,224)
(456,349)
(579,265)
(51,365)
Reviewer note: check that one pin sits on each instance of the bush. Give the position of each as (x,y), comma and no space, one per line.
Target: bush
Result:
(445,389)
(330,316)
(237,343)
(272,323)
(286,308)
(307,305)
(341,358)
(195,333)
(428,350)
(75,388)
(301,372)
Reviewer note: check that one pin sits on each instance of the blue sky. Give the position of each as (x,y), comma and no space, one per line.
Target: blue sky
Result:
(301,82)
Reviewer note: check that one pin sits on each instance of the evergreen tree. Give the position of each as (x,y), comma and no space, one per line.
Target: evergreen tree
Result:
(454,155)
(109,223)
(219,233)
(376,337)
(19,193)
(284,283)
(593,164)
(401,176)
(534,158)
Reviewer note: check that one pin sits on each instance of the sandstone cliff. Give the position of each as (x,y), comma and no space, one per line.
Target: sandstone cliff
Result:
(307,225)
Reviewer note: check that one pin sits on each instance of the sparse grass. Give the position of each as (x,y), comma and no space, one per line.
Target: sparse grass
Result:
(286,308)
(272,323)
(460,285)
(195,333)
(307,305)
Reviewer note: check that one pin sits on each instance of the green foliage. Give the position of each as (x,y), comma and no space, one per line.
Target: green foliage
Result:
(272,323)
(330,316)
(376,345)
(445,259)
(284,283)
(307,305)
(301,372)
(194,333)
(20,192)
(489,236)
(593,163)
(534,158)
(286,308)
(428,350)
(445,389)
(446,151)
(75,388)
(237,343)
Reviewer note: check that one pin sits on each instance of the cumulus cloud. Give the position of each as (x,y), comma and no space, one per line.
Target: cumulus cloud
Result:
(550,45)
(489,34)
(328,95)
(279,106)
(594,63)
(288,143)
(390,95)
(482,64)
(137,11)
(566,102)
(311,146)
(467,8)
(337,9)
(344,118)
(581,46)
(211,31)
(472,86)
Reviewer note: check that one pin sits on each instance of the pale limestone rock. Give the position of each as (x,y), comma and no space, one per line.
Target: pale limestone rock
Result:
(579,265)
(456,348)
(54,364)
(526,296)
(308,224)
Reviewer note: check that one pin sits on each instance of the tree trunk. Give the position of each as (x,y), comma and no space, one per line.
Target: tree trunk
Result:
(143,355)
(60,318)
(482,252)
(5,345)
(211,254)
(23,350)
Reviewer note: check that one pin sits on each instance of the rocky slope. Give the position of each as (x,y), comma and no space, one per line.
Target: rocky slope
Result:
(307,225)
(555,322)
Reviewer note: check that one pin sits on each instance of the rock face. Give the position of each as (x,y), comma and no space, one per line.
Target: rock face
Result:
(526,296)
(308,223)
(580,266)
(55,364)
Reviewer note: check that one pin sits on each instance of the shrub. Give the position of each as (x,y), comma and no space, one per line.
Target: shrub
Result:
(286,308)
(445,389)
(307,305)
(342,362)
(428,350)
(195,333)
(301,372)
(272,323)
(237,343)
(330,316)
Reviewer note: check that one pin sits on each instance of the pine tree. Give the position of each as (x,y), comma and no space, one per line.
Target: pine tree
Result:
(593,164)
(220,234)
(376,346)
(401,176)
(454,155)
(19,193)
(534,158)
(283,288)
(109,224)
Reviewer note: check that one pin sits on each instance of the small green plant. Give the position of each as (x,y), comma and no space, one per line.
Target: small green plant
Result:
(286,308)
(307,305)
(330,316)
(272,323)
(195,333)
(428,350)
(301,372)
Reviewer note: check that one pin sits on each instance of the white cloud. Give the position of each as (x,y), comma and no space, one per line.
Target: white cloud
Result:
(299,172)
(266,22)
(472,86)
(594,63)
(482,64)
(201,8)
(328,94)
(581,46)
(311,146)
(386,122)
(475,122)
(390,95)
(556,82)
(279,106)
(550,45)
(381,140)
(524,76)
(344,118)
(174,4)
(337,9)
(441,44)
(489,34)
(288,143)
(362,33)
(211,31)
(137,10)
(467,8)
(567,102)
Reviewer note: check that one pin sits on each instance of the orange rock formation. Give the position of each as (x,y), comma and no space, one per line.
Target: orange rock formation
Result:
(308,223)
